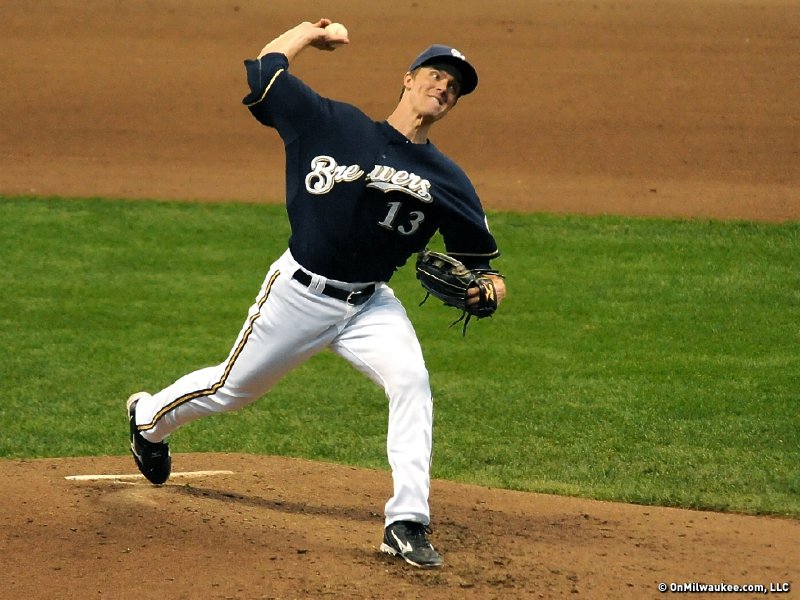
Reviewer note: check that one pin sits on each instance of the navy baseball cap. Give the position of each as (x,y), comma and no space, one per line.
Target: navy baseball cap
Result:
(439,53)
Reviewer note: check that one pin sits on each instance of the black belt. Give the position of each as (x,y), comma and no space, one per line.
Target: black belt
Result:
(355,297)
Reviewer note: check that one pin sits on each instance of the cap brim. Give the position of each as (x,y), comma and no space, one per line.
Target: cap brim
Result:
(442,54)
(469,77)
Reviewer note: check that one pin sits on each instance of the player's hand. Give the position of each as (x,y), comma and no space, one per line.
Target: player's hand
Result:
(292,42)
(327,39)
(473,294)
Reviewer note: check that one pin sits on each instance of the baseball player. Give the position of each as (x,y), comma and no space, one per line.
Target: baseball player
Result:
(362,197)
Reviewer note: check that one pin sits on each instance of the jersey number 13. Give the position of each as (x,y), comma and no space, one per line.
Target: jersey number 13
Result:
(409,227)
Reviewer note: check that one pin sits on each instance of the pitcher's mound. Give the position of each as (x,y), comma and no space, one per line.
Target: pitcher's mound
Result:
(242,526)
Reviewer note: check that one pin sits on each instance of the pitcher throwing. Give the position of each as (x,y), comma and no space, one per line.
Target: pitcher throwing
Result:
(362,197)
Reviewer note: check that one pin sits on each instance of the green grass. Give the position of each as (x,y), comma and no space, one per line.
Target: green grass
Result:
(645,360)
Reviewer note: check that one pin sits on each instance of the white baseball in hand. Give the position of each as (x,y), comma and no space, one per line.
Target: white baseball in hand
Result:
(338,30)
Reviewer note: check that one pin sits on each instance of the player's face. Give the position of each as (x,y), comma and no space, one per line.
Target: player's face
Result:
(433,91)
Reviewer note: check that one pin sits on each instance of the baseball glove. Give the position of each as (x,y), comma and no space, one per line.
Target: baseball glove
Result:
(447,279)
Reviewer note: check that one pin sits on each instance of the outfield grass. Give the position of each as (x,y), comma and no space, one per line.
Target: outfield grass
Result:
(644,360)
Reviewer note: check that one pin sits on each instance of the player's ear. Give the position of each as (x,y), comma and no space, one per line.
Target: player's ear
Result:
(407,79)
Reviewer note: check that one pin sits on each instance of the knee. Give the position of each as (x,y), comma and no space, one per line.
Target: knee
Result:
(409,379)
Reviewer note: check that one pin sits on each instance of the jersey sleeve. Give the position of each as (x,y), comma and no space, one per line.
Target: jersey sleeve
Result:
(277,98)
(465,227)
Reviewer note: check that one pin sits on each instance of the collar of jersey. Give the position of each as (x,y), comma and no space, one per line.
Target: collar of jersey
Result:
(395,136)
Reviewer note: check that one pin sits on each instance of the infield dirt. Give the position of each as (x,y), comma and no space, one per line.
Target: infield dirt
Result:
(682,108)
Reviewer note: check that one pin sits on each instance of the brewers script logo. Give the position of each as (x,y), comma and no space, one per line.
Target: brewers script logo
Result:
(325,173)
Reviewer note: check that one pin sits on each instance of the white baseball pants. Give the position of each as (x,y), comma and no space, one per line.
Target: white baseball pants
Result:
(287,324)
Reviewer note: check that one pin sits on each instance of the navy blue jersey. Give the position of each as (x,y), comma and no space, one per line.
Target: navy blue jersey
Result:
(361,198)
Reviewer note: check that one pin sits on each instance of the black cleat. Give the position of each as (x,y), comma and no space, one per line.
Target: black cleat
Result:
(407,540)
(152,458)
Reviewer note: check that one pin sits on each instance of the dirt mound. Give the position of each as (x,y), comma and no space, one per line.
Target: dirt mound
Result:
(266,527)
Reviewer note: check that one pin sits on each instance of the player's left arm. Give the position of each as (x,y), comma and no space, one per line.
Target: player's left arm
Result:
(478,263)
(468,239)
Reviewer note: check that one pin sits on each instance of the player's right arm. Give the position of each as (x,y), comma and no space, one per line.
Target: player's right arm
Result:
(292,42)
(278,99)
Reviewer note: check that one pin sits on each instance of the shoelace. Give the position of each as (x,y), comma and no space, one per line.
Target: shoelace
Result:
(417,532)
